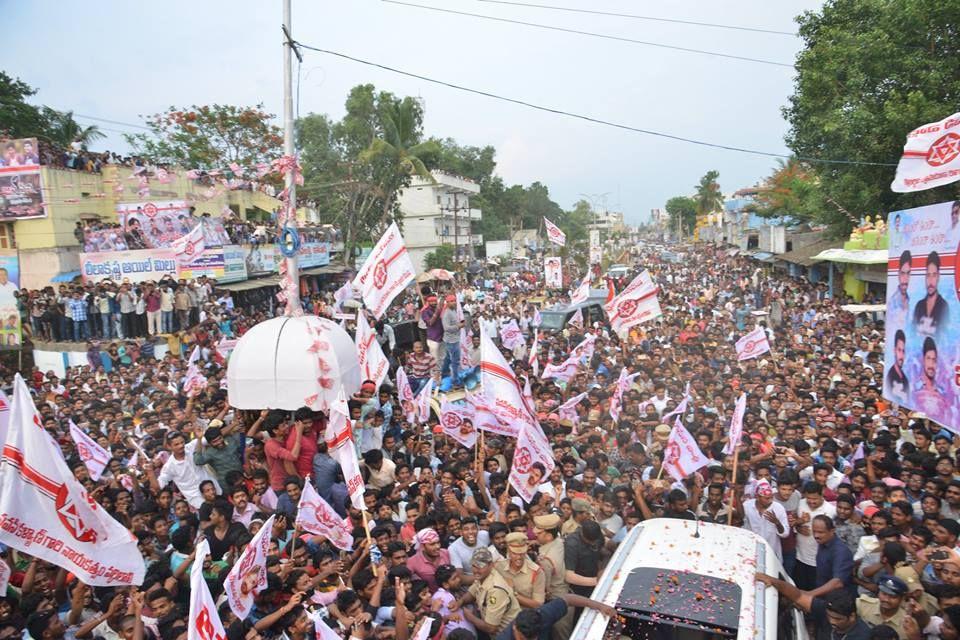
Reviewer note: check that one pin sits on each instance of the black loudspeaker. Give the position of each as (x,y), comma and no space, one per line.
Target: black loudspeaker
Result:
(405,333)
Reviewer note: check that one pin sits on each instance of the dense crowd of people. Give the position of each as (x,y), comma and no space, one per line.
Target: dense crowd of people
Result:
(859,498)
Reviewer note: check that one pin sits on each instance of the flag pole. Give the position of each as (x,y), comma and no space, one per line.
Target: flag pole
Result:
(366,528)
(733,487)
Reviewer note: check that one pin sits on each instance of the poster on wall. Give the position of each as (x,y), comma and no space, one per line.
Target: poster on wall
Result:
(158,223)
(9,315)
(261,258)
(314,254)
(234,264)
(922,356)
(553,274)
(21,192)
(130,266)
(209,263)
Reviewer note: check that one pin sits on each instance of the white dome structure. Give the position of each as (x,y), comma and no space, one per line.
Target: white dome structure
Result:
(292,362)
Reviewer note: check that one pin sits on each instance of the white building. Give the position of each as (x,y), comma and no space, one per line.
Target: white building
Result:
(608,222)
(439,213)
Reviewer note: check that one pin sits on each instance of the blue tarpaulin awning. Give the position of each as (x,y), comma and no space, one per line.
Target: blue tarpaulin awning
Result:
(66,276)
(762,256)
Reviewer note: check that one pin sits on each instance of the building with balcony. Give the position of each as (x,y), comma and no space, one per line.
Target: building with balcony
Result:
(608,222)
(439,213)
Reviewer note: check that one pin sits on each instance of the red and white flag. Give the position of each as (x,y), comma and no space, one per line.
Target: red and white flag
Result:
(553,272)
(315,516)
(682,456)
(563,371)
(533,449)
(510,335)
(484,416)
(405,393)
(577,318)
(423,401)
(249,574)
(532,359)
(194,381)
(341,295)
(635,304)
(582,293)
(188,248)
(204,622)
(584,350)
(501,386)
(753,344)
(465,344)
(46,513)
(931,156)
(226,346)
(320,628)
(623,384)
(568,410)
(457,422)
(736,425)
(385,273)
(4,420)
(554,233)
(460,317)
(93,456)
(340,447)
(373,363)
(537,318)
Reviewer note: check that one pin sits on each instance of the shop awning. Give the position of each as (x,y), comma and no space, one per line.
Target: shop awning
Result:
(860,256)
(246,285)
(763,256)
(804,256)
(330,269)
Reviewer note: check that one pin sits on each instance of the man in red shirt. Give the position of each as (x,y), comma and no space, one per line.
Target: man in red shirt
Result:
(428,557)
(281,462)
(308,441)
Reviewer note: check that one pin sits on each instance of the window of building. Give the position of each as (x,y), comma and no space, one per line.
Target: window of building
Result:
(8,240)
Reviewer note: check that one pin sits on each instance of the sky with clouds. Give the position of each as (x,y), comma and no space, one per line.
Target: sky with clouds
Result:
(119,60)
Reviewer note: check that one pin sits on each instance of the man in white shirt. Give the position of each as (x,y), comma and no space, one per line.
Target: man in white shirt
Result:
(180,469)
(812,505)
(461,551)
(766,518)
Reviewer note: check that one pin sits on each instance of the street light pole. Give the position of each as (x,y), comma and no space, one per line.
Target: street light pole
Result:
(293,271)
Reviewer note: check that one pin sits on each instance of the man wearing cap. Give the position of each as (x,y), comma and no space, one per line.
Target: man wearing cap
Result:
(496,602)
(582,511)
(766,518)
(887,608)
(551,559)
(523,574)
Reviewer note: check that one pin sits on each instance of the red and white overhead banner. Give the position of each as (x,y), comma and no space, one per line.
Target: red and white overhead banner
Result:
(386,272)
(93,456)
(204,622)
(188,248)
(553,272)
(405,393)
(532,461)
(554,233)
(501,386)
(753,344)
(315,516)
(635,304)
(931,156)
(510,335)
(373,363)
(582,293)
(423,401)
(682,456)
(340,447)
(736,425)
(457,422)
(249,574)
(46,513)
(485,418)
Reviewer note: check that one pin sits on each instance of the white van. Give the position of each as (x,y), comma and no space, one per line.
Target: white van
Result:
(684,580)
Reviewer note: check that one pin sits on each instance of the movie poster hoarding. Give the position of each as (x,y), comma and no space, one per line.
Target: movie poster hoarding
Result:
(922,351)
(10,337)
(21,191)
(156,224)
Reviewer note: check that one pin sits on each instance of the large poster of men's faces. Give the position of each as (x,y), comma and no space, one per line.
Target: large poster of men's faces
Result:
(922,357)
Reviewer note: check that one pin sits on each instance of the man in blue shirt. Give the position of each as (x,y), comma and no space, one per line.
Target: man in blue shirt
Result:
(535,624)
(834,560)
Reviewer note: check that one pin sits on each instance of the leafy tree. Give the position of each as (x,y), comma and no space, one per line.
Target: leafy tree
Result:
(64,131)
(440,258)
(476,163)
(575,222)
(707,194)
(870,72)
(209,137)
(682,211)
(18,118)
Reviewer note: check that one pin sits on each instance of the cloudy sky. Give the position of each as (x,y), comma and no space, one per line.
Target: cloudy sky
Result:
(118,60)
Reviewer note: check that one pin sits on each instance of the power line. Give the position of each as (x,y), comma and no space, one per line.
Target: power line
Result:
(125,124)
(639,17)
(607,123)
(592,34)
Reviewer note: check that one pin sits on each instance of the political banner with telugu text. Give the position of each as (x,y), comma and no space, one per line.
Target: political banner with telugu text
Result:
(753,345)
(249,573)
(554,233)
(21,188)
(931,156)
(315,516)
(385,273)
(682,456)
(637,303)
(10,327)
(373,363)
(204,621)
(533,449)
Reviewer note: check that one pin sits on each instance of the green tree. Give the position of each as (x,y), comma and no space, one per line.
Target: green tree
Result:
(682,211)
(708,197)
(18,118)
(64,131)
(790,192)
(870,72)
(209,137)
(440,258)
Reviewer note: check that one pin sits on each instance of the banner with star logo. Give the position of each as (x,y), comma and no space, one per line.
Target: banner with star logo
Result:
(931,156)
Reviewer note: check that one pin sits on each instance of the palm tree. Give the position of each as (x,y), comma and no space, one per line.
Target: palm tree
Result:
(708,196)
(65,132)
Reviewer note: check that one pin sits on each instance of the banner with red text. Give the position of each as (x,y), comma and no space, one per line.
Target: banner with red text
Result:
(385,273)
(931,156)
(249,574)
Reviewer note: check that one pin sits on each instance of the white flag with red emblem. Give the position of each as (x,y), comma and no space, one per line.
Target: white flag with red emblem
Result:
(577,318)
(315,516)
(753,344)
(373,363)
(563,371)
(204,622)
(423,401)
(484,416)
(46,513)
(533,359)
(537,319)
(405,393)
(501,386)
(635,304)
(249,574)
(188,248)
(340,447)
(931,156)
(320,628)
(553,272)
(532,461)
(736,425)
(554,233)
(93,456)
(4,419)
(582,293)
(510,335)
(456,420)
(584,350)
(385,273)
(623,384)
(568,410)
(465,344)
(682,456)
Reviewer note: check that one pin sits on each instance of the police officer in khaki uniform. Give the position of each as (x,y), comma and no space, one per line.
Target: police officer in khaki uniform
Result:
(581,511)
(528,579)
(887,608)
(496,603)
(551,559)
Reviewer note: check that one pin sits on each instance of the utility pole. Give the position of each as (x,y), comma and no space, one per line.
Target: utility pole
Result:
(293,302)
(456,229)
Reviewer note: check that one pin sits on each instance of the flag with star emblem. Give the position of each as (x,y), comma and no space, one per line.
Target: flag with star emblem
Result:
(931,156)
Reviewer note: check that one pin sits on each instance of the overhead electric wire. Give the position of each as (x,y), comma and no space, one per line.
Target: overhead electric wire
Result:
(592,34)
(577,116)
(639,17)
(125,124)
